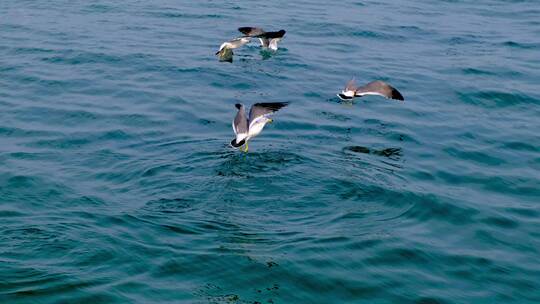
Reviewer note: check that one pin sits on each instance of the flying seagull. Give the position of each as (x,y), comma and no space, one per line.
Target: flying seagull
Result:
(225,52)
(245,128)
(373,88)
(268,39)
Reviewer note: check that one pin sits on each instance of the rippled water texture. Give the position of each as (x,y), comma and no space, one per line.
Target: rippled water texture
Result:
(117,184)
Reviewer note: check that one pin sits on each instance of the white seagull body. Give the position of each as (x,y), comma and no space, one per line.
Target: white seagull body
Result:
(246,128)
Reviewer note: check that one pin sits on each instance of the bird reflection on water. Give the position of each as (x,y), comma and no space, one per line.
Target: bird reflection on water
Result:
(392,153)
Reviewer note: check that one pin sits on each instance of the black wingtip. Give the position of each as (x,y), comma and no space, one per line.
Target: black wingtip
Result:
(397,95)
(283,103)
(239,144)
(238,106)
(274,106)
(245,30)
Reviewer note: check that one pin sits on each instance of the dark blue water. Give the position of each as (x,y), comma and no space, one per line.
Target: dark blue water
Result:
(117,184)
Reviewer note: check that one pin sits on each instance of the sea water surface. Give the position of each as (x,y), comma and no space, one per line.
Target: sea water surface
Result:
(117,184)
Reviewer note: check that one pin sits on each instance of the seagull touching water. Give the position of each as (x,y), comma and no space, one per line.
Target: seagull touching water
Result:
(373,88)
(245,128)
(225,52)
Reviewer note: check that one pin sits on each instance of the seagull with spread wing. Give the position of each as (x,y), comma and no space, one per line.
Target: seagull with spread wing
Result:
(377,87)
(225,52)
(267,39)
(245,128)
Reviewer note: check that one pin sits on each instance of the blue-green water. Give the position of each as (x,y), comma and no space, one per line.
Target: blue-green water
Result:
(117,184)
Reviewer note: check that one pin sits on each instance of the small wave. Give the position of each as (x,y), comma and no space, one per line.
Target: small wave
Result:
(496,99)
(434,208)
(505,184)
(378,35)
(474,71)
(183,15)
(521,146)
(167,205)
(520,45)
(500,222)
(475,156)
(245,165)
(399,256)
(100,8)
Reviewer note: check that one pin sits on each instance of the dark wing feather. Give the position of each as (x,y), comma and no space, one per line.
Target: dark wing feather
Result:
(265,108)
(273,35)
(379,88)
(251,31)
(240,123)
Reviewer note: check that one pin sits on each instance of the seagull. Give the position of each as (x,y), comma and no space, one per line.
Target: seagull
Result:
(373,88)
(268,39)
(246,128)
(225,52)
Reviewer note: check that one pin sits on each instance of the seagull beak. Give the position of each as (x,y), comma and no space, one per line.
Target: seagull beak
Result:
(270,120)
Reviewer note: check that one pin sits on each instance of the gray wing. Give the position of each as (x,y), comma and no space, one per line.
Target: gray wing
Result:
(238,42)
(251,31)
(379,88)
(350,86)
(265,108)
(240,122)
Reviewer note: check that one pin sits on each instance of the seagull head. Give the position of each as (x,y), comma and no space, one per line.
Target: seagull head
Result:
(237,144)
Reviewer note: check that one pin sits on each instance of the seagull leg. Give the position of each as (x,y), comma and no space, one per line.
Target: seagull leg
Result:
(246,147)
